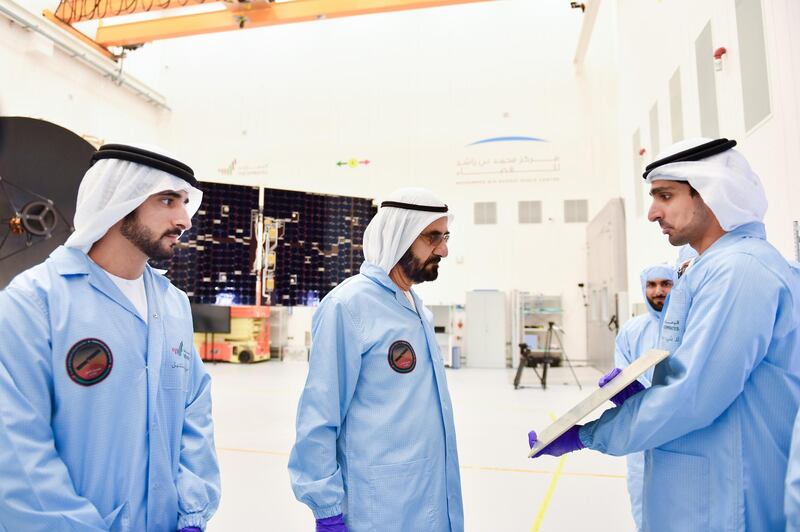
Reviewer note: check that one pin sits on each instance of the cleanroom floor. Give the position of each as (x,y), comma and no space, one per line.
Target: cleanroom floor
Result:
(254,413)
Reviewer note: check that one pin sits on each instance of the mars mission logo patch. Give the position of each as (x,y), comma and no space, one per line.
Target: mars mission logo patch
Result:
(402,358)
(89,362)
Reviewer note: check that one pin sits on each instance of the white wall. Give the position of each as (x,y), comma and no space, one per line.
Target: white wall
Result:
(40,81)
(655,38)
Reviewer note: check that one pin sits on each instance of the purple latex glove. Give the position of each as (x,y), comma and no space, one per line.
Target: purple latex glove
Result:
(628,391)
(190,529)
(566,443)
(331,524)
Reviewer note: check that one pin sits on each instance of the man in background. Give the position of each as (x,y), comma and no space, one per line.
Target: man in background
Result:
(635,337)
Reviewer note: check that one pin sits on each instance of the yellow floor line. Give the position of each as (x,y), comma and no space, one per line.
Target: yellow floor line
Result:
(537,523)
(549,495)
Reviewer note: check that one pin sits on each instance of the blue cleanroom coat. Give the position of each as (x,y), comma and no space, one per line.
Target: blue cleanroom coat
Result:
(117,437)
(635,337)
(718,418)
(792,497)
(375,433)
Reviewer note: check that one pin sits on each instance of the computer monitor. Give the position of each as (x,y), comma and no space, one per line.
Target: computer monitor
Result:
(211,318)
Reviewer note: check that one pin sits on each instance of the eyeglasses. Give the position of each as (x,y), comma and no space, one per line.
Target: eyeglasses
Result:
(435,238)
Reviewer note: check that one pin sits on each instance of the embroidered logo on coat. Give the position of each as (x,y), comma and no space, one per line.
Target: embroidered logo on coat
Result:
(402,358)
(89,362)
(181,352)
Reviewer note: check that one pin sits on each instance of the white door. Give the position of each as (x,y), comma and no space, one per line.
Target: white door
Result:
(607,281)
(486,329)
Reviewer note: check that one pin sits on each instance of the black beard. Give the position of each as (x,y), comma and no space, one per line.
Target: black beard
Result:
(142,237)
(657,306)
(417,271)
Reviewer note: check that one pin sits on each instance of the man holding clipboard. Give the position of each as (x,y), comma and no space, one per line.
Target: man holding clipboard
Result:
(716,424)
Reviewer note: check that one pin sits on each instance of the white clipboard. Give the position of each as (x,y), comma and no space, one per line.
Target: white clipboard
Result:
(598,398)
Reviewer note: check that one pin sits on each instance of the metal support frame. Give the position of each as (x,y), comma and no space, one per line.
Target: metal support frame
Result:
(266,232)
(527,358)
(251,15)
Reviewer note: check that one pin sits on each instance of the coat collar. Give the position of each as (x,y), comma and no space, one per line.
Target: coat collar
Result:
(751,230)
(72,261)
(376,274)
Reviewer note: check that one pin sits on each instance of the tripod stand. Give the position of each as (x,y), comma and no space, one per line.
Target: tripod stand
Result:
(529,358)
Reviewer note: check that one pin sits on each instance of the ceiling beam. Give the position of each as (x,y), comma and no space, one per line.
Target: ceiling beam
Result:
(257,15)
(72,11)
(76,34)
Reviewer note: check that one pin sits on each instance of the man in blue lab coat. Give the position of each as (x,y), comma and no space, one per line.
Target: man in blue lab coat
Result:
(105,407)
(792,497)
(635,337)
(716,424)
(376,446)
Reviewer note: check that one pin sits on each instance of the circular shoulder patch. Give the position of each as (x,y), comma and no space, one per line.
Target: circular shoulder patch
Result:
(402,358)
(89,361)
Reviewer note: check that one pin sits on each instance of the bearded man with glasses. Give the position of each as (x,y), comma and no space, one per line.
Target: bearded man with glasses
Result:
(376,445)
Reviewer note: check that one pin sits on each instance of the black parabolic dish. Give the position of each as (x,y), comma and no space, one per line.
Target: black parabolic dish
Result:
(39,161)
